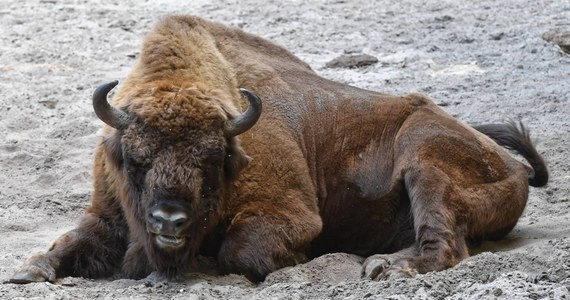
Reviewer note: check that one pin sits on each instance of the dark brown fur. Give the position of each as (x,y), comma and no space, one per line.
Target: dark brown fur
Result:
(335,168)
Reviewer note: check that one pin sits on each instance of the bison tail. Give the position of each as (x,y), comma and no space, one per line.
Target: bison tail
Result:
(516,137)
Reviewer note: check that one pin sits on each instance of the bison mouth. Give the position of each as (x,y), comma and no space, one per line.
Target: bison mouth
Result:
(168,241)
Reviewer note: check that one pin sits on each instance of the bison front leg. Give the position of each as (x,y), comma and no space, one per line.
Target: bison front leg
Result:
(136,264)
(94,249)
(263,238)
(42,267)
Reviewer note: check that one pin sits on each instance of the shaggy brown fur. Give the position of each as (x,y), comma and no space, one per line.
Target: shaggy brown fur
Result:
(335,168)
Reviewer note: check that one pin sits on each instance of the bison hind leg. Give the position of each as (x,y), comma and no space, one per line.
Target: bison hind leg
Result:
(440,241)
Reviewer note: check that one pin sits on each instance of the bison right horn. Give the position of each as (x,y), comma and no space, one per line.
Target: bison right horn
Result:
(245,121)
(113,117)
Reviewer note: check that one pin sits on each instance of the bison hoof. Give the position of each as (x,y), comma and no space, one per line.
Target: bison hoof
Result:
(374,266)
(400,272)
(36,269)
(381,267)
(155,277)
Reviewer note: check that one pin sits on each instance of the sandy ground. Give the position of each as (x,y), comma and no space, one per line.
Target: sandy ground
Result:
(483,61)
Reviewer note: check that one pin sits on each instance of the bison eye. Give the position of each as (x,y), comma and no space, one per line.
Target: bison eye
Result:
(210,181)
(136,170)
(131,163)
(206,190)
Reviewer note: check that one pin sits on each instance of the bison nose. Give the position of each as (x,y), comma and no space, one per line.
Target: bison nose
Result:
(168,223)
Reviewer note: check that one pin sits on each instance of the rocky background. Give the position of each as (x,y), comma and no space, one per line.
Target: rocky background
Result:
(483,61)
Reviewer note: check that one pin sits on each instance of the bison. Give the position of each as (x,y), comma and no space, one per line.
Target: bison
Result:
(180,171)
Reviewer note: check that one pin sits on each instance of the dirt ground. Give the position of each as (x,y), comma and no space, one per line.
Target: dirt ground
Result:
(483,61)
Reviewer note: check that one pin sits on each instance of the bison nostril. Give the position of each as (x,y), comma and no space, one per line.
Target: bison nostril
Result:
(156,221)
(179,223)
(169,223)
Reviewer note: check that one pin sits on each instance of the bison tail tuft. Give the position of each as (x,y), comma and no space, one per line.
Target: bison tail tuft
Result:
(516,137)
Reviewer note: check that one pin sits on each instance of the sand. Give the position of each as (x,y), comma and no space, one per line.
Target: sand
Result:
(482,61)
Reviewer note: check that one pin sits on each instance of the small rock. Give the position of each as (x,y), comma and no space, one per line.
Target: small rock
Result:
(49,103)
(466,40)
(560,38)
(352,51)
(71,281)
(497,36)
(445,18)
(352,61)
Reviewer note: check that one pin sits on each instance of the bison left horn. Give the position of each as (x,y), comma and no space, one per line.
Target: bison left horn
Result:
(113,117)
(245,121)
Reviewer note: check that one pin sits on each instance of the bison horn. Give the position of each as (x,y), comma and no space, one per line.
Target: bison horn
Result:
(245,121)
(113,117)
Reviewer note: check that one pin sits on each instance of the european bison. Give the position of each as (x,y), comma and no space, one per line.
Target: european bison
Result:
(334,168)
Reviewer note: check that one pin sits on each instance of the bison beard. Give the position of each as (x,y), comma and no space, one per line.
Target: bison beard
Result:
(174,260)
(170,262)
(335,168)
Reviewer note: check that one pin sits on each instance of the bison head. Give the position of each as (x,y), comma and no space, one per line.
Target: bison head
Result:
(176,150)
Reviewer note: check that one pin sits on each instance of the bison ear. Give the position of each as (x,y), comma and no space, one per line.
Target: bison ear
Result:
(236,160)
(114,149)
